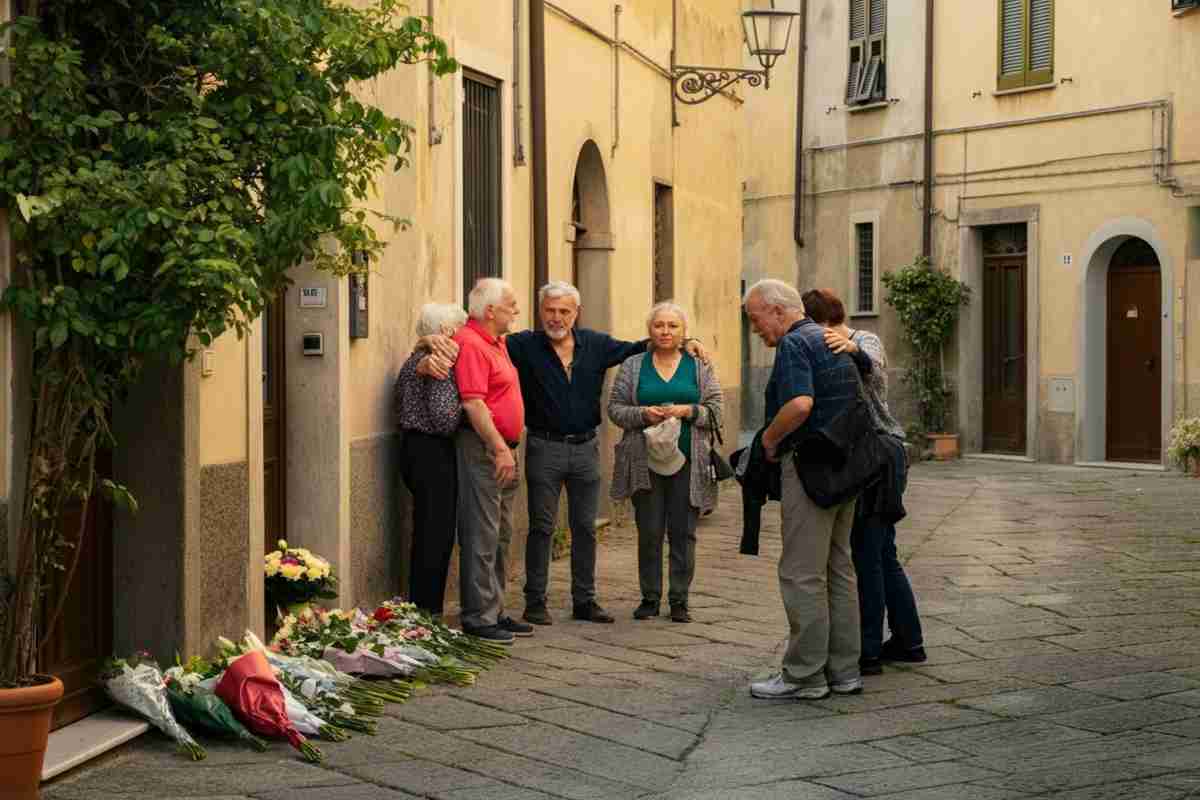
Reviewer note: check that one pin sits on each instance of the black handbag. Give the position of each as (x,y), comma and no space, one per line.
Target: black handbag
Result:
(837,461)
(718,467)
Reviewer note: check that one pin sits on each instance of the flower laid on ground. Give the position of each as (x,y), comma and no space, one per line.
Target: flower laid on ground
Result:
(405,620)
(251,691)
(138,684)
(295,575)
(1184,440)
(198,707)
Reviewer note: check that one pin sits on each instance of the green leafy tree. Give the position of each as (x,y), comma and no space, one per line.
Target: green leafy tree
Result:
(165,162)
(928,302)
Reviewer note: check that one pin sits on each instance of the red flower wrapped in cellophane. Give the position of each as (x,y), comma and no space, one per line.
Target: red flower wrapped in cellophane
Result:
(250,689)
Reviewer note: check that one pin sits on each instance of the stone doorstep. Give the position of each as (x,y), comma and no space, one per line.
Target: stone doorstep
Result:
(88,738)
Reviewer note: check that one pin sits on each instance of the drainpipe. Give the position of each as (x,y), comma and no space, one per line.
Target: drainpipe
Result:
(518,145)
(798,200)
(616,50)
(435,133)
(537,103)
(927,211)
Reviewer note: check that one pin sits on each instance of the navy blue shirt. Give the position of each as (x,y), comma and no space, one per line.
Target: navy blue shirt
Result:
(554,403)
(805,366)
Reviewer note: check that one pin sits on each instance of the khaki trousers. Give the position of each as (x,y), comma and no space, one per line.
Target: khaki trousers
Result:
(484,531)
(817,582)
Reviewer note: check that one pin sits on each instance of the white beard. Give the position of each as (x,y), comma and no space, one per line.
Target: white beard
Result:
(558,334)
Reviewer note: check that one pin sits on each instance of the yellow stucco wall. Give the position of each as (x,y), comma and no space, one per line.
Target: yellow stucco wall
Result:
(223,402)
(1089,172)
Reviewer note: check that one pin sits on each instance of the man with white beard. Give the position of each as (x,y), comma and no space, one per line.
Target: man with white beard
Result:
(562,370)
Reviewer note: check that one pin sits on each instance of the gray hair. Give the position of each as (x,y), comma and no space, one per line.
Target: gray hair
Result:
(557,289)
(440,318)
(774,292)
(487,292)
(667,305)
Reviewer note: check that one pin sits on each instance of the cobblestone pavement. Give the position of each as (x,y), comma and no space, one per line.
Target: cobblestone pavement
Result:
(1062,619)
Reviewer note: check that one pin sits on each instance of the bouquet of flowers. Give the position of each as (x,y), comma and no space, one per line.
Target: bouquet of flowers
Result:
(197,707)
(1184,442)
(404,621)
(138,684)
(294,575)
(249,688)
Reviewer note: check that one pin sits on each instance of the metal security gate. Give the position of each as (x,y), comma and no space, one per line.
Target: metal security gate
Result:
(481,179)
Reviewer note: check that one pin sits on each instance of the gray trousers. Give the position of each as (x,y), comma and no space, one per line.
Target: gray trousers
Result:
(666,509)
(548,467)
(484,531)
(818,585)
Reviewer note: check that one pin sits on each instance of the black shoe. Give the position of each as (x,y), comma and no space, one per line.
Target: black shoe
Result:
(492,633)
(538,615)
(515,628)
(591,612)
(679,613)
(646,610)
(892,650)
(870,666)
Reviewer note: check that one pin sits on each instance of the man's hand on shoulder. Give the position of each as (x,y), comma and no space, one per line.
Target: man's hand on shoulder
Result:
(439,345)
(696,350)
(434,366)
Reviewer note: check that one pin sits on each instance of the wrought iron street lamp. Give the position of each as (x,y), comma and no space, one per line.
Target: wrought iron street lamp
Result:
(767,33)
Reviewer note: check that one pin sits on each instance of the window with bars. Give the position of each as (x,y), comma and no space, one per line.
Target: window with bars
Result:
(866,78)
(1026,43)
(864,267)
(482,147)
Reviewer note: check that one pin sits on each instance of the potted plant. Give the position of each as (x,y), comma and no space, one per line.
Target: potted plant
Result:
(295,577)
(928,302)
(1184,446)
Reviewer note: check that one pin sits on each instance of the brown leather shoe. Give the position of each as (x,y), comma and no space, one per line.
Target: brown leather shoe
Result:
(679,613)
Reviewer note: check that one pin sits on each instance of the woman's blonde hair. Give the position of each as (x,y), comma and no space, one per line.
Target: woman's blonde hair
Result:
(670,306)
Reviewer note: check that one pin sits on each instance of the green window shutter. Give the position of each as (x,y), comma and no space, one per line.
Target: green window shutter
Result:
(1041,42)
(1011,45)
(858,49)
(878,17)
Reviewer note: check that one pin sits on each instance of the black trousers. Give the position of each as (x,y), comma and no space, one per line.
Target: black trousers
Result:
(427,464)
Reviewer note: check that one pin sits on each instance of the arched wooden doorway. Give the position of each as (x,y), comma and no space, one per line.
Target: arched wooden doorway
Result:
(1133,429)
(593,238)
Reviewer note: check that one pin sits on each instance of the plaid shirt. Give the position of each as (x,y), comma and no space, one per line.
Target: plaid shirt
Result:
(806,367)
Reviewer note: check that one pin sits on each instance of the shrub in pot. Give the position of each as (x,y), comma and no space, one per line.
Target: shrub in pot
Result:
(1184,444)
(928,302)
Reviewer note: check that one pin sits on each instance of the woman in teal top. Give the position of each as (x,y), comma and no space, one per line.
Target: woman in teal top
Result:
(665,382)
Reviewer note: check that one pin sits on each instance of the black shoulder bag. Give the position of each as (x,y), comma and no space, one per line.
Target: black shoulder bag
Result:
(840,459)
(718,467)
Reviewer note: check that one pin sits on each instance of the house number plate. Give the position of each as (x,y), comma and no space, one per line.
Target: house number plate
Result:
(312,296)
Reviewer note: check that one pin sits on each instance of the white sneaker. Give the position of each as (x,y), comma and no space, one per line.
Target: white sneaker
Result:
(852,686)
(778,688)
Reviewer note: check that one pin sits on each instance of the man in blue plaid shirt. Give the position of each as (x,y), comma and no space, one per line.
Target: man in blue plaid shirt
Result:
(809,385)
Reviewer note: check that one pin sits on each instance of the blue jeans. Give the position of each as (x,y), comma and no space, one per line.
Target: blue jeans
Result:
(882,585)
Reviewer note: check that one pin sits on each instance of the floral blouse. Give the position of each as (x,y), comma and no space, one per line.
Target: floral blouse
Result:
(426,404)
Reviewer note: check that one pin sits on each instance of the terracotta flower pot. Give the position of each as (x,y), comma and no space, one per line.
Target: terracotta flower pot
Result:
(24,725)
(945,445)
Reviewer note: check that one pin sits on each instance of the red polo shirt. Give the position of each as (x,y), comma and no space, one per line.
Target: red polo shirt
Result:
(485,372)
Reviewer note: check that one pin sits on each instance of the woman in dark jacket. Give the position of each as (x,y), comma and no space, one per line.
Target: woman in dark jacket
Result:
(428,413)
(882,584)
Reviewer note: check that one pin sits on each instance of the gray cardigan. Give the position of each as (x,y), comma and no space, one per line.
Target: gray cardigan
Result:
(630,471)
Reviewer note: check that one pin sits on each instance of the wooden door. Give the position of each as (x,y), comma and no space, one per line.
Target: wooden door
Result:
(1004,370)
(1134,411)
(82,639)
(274,419)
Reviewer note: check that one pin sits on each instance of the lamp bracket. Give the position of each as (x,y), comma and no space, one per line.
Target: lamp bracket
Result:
(694,85)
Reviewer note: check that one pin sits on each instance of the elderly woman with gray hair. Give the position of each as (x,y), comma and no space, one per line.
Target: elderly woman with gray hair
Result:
(428,413)
(666,474)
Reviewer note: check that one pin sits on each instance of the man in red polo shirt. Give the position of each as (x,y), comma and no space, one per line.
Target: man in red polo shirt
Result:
(487,459)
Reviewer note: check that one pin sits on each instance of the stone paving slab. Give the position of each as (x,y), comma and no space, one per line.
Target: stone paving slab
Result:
(1061,608)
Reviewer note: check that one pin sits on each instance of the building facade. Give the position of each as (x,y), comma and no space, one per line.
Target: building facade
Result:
(289,431)
(1063,187)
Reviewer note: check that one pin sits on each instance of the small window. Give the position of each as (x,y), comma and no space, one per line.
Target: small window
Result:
(864,267)
(1026,43)
(866,78)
